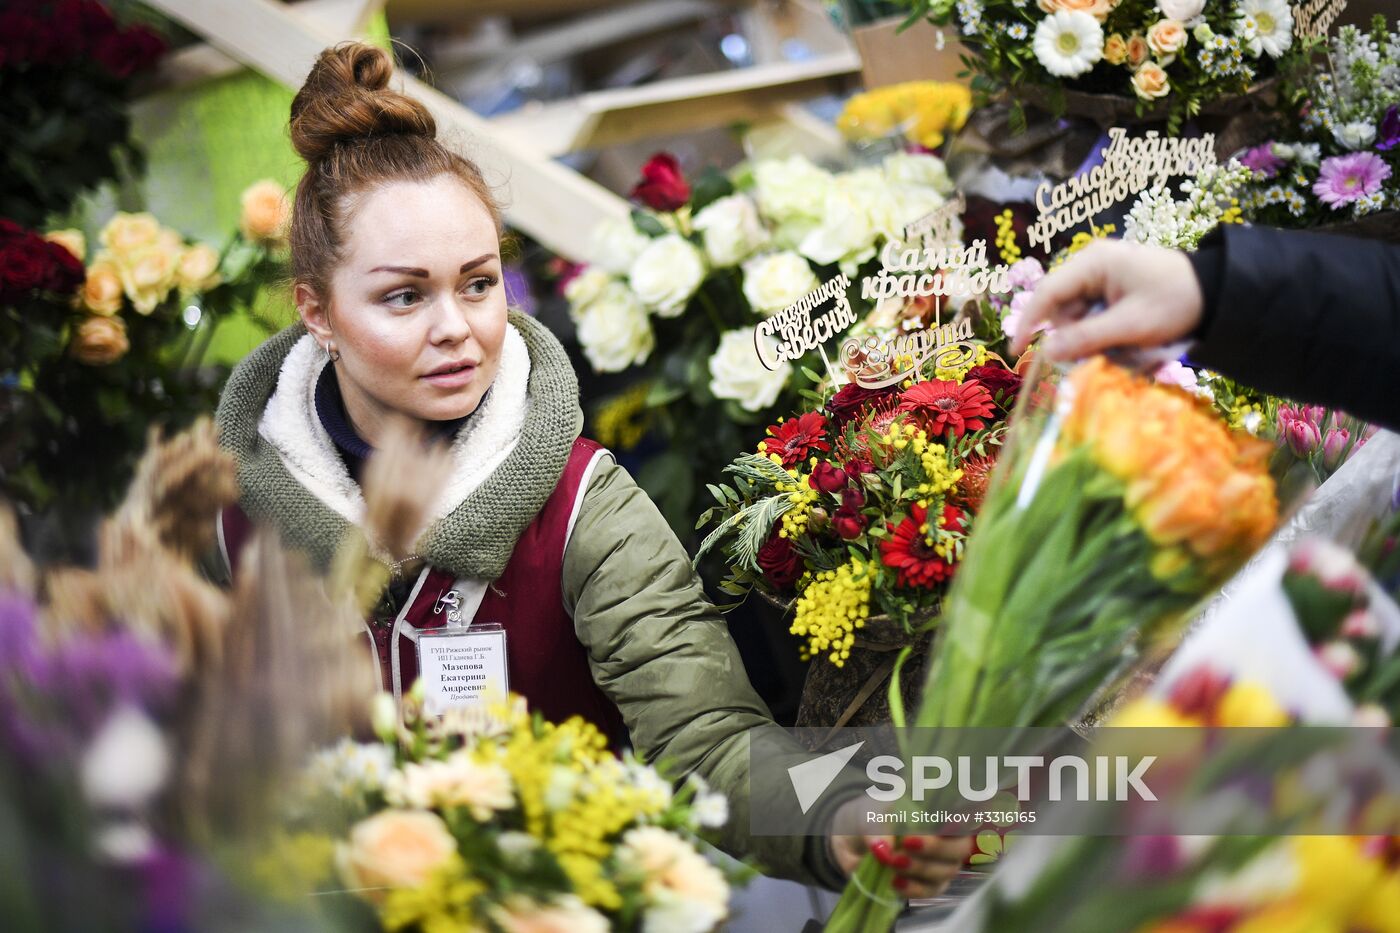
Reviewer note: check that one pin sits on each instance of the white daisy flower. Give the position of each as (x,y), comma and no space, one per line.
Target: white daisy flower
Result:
(1265,26)
(1068,43)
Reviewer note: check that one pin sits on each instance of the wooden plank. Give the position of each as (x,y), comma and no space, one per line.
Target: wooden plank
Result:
(551,203)
(610,118)
(203,62)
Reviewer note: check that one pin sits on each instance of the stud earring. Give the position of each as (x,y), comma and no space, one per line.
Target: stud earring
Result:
(332,353)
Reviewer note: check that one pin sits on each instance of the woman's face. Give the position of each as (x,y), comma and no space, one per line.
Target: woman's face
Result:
(417,309)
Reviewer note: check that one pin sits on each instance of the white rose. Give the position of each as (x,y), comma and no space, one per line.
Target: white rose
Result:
(854,212)
(1181,10)
(731,229)
(737,373)
(1355,135)
(790,189)
(616,243)
(566,914)
(915,168)
(775,281)
(667,273)
(586,287)
(457,781)
(614,330)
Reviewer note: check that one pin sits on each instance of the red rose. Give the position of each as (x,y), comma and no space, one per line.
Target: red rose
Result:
(848,521)
(780,562)
(1002,383)
(663,187)
(851,401)
(23,38)
(125,53)
(24,265)
(1199,692)
(65,272)
(827,478)
(10,229)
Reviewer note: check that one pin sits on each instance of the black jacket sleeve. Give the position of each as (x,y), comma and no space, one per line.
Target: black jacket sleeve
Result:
(1308,316)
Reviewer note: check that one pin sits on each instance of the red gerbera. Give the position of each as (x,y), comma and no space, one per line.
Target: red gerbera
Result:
(949,406)
(909,552)
(795,438)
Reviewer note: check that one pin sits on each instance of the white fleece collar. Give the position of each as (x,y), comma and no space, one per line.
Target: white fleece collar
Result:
(290,424)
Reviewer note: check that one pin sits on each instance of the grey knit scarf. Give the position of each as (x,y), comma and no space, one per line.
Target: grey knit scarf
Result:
(476,538)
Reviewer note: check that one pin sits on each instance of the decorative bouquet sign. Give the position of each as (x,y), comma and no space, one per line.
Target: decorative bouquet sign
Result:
(1131,165)
(1313,18)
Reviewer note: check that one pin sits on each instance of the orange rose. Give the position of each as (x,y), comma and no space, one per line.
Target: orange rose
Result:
(99,341)
(102,291)
(1138,49)
(1166,37)
(395,849)
(266,212)
(1098,9)
(198,269)
(1150,81)
(1115,49)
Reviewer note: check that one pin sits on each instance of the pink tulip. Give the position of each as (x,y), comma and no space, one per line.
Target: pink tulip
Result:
(1339,658)
(1302,435)
(1334,447)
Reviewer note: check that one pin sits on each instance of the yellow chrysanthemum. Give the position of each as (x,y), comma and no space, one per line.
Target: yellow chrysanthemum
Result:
(924,110)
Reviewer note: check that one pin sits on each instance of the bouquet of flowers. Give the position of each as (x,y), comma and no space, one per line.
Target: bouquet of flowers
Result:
(116,346)
(491,818)
(1174,55)
(862,508)
(1339,162)
(1117,506)
(674,293)
(66,67)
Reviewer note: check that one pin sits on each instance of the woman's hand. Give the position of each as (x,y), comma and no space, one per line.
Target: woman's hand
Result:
(923,864)
(1152,295)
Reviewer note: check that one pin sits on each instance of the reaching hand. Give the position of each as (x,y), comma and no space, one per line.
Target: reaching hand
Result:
(923,864)
(1152,295)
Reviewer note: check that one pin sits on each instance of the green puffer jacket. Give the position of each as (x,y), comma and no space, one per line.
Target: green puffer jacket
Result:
(656,646)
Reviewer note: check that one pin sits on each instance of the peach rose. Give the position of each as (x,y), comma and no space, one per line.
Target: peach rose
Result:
(1115,49)
(102,291)
(395,849)
(198,269)
(126,233)
(1166,37)
(99,341)
(1098,9)
(71,240)
(266,212)
(1150,81)
(148,276)
(566,914)
(1138,50)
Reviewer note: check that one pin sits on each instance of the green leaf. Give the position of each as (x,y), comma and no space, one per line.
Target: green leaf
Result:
(708,188)
(648,224)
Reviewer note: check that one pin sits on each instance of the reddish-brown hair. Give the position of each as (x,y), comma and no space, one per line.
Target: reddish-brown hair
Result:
(356,133)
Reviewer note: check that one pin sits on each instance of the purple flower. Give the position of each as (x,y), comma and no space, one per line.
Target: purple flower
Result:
(1262,159)
(1389,136)
(1346,179)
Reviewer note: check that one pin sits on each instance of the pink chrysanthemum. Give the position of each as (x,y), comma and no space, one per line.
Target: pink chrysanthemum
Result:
(1343,180)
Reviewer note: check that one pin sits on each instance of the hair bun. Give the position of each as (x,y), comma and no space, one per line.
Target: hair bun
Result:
(346,97)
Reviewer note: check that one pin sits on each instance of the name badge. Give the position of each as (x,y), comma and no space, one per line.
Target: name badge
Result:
(458,663)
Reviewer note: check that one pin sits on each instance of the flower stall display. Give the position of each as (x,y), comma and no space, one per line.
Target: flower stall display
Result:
(1338,162)
(674,293)
(1174,58)
(139,745)
(1310,637)
(1119,503)
(66,67)
(492,818)
(96,354)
